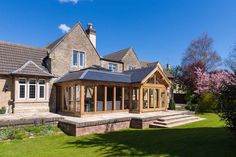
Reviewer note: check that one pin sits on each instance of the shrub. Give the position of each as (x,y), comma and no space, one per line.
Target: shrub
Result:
(171,104)
(7,133)
(208,102)
(190,106)
(228,106)
(3,110)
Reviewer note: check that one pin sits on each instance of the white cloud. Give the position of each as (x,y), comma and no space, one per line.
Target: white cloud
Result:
(69,1)
(64,28)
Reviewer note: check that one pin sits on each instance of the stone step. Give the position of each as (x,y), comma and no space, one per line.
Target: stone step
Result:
(175,124)
(169,118)
(179,120)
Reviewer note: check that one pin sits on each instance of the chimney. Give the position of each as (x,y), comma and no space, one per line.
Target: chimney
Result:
(168,67)
(91,34)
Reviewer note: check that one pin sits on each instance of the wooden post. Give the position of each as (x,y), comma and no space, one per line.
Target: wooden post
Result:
(105,98)
(62,98)
(148,98)
(74,98)
(155,78)
(130,98)
(114,98)
(123,99)
(95,98)
(82,99)
(159,96)
(140,100)
(155,98)
(166,100)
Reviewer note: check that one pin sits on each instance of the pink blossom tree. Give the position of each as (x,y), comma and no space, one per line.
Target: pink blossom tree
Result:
(213,81)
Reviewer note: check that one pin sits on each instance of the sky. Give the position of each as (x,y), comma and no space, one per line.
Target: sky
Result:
(158,30)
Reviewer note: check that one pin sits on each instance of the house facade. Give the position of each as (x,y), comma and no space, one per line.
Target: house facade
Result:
(69,76)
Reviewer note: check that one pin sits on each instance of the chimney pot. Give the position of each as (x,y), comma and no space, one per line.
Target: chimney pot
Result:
(91,34)
(90,26)
(168,67)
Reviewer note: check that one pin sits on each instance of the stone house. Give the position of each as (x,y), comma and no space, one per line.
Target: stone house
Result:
(69,76)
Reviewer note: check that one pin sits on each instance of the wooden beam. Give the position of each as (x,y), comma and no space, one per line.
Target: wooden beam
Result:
(114,98)
(95,98)
(123,99)
(82,99)
(105,98)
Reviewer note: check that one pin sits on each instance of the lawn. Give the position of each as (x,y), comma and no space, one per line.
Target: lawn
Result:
(200,139)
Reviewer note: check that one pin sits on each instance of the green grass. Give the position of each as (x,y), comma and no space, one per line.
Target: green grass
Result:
(201,139)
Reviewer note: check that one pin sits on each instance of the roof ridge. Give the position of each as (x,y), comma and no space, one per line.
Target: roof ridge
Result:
(22,45)
(109,72)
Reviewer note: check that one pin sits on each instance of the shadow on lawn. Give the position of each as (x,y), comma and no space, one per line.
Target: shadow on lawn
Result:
(169,142)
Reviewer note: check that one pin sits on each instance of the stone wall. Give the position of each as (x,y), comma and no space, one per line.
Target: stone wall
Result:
(131,60)
(5,95)
(104,126)
(105,64)
(61,56)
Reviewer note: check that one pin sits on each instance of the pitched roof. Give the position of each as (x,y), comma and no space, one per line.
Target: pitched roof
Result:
(117,56)
(14,56)
(137,75)
(148,64)
(30,68)
(54,44)
(95,75)
(130,76)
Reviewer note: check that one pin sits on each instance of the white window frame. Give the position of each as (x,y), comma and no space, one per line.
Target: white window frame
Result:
(29,89)
(112,67)
(73,57)
(83,59)
(19,84)
(43,85)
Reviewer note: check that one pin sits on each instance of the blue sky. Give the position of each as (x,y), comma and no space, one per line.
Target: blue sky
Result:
(155,29)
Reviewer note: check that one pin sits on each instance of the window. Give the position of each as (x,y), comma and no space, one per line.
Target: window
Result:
(41,89)
(113,67)
(81,59)
(131,68)
(22,88)
(75,57)
(32,89)
(78,58)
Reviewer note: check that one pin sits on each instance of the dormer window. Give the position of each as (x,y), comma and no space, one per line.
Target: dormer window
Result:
(78,58)
(113,67)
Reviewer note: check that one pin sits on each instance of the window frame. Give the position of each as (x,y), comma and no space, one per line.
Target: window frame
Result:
(29,88)
(44,92)
(25,85)
(81,66)
(112,66)
(75,51)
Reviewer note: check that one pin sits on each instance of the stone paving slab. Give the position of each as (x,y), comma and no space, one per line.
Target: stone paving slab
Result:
(120,115)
